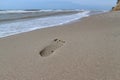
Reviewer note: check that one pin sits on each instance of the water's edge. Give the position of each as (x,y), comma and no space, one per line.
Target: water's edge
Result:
(29,21)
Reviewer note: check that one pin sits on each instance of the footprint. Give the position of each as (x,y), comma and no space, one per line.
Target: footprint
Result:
(48,50)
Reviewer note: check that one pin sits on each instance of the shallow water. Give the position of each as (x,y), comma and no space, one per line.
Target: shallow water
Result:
(14,22)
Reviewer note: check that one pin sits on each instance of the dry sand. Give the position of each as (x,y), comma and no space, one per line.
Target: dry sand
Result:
(83,50)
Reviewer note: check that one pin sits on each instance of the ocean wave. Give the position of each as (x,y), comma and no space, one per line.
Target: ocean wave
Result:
(15,11)
(21,14)
(16,27)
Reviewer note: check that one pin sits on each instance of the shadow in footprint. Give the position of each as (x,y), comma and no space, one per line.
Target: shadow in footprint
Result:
(48,50)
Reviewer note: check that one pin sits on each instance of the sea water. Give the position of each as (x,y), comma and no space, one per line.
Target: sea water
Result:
(19,21)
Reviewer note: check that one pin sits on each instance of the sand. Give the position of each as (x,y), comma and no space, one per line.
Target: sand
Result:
(87,49)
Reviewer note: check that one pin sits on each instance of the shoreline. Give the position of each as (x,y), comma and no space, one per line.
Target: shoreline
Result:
(87,49)
(60,24)
(53,25)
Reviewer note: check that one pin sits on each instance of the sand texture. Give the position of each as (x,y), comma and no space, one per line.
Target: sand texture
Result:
(87,49)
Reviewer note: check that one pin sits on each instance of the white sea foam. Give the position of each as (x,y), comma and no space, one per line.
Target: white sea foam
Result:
(15,11)
(29,25)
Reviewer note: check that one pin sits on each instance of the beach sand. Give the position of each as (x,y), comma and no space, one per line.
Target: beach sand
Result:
(87,49)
